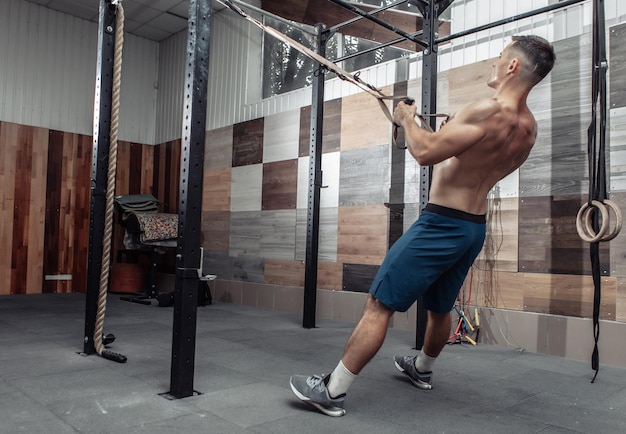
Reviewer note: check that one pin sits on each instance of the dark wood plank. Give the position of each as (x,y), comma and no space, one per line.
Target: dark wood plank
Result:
(248,142)
(52,239)
(23,176)
(358,277)
(280,183)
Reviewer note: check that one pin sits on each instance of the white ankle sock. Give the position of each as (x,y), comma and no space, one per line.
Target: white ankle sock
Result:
(423,362)
(340,380)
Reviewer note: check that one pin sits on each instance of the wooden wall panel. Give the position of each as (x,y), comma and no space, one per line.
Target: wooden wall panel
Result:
(280,185)
(278,234)
(53,238)
(358,277)
(327,239)
(8,135)
(557,164)
(246,188)
(284,272)
(548,240)
(364,177)
(45,204)
(248,269)
(468,83)
(617,141)
(618,244)
(216,190)
(248,143)
(218,148)
(146,168)
(166,176)
(69,161)
(19,253)
(500,251)
(363,123)
(245,233)
(281,136)
(620,300)
(37,213)
(216,231)
(123,170)
(617,66)
(331,136)
(330,275)
(568,295)
(83,168)
(362,234)
(23,172)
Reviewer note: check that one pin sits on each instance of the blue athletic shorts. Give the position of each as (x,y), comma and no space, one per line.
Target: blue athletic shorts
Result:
(430,260)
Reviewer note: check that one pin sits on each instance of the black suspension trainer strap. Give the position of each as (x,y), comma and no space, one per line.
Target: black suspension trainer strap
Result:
(596,145)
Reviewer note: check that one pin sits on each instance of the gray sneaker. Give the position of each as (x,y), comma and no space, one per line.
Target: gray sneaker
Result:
(313,391)
(406,365)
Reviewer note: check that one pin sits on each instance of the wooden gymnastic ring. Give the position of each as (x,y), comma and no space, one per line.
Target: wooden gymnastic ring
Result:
(585,231)
(618,220)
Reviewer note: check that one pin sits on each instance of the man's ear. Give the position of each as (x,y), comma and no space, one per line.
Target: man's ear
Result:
(514,65)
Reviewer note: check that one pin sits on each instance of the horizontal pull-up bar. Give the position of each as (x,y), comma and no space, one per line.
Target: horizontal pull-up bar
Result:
(508,20)
(374,12)
(380,22)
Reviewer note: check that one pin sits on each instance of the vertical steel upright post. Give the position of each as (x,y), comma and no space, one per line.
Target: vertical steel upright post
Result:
(190,200)
(315,184)
(429,105)
(99,165)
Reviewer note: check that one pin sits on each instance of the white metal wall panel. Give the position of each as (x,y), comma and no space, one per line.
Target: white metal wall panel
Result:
(47,73)
(171,82)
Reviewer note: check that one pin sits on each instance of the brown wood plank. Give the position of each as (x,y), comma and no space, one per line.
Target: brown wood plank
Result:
(122,171)
(8,132)
(82,213)
(147,169)
(37,212)
(284,272)
(363,123)
(568,295)
(216,190)
(362,234)
(135,168)
(330,275)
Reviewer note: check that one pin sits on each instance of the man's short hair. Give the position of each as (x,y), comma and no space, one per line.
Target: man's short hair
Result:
(538,51)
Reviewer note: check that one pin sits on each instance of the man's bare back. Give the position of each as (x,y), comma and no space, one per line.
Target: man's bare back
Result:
(484,142)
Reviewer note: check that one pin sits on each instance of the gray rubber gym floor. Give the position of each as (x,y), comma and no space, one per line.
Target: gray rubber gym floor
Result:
(244,358)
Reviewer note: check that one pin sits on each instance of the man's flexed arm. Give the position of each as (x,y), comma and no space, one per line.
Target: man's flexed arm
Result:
(468,127)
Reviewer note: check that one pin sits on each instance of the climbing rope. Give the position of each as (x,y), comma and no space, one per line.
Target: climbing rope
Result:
(108,217)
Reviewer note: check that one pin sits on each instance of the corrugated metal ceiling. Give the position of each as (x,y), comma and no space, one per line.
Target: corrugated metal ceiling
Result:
(151,19)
